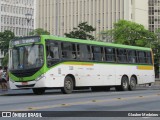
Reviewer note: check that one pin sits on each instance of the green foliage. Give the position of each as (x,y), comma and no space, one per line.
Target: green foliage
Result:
(131,33)
(5,60)
(5,38)
(156,51)
(83,31)
(39,31)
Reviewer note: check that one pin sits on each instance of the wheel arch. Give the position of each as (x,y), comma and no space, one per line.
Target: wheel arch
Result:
(73,78)
(125,76)
(135,78)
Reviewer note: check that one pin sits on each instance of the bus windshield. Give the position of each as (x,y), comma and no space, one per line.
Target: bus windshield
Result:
(27,57)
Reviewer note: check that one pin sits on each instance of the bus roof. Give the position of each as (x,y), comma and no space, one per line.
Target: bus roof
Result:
(91,42)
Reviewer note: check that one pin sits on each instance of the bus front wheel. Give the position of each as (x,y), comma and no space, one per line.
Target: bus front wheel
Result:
(68,85)
(38,91)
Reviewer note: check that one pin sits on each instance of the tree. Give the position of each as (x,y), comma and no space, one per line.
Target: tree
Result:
(5,38)
(156,51)
(39,31)
(131,33)
(83,31)
(5,60)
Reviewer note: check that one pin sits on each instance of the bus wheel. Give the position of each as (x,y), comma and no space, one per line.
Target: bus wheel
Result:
(132,85)
(124,84)
(38,91)
(68,85)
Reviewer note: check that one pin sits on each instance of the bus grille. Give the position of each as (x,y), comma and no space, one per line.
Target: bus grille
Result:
(24,73)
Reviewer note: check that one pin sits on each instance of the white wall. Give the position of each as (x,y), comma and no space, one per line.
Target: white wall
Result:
(141,12)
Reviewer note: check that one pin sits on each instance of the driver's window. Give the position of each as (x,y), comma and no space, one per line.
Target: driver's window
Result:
(52,52)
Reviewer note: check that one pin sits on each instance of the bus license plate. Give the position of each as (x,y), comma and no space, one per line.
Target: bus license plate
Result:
(24,83)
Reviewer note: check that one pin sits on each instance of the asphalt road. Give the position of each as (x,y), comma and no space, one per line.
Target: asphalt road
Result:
(142,99)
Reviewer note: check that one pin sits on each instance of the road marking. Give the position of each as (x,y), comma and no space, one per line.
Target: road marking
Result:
(85,103)
(94,101)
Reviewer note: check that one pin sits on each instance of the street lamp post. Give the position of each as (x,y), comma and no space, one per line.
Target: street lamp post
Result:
(99,23)
(57,17)
(28,18)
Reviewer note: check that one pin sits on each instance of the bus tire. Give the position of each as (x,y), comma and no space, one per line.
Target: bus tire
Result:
(133,83)
(38,91)
(124,84)
(68,85)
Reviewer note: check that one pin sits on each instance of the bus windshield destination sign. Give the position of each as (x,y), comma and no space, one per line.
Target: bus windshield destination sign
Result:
(25,41)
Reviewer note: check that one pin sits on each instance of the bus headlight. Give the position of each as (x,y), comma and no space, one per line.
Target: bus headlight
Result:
(40,77)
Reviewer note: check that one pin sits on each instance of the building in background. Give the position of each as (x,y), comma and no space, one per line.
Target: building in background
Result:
(154,15)
(61,16)
(17,16)
(13,16)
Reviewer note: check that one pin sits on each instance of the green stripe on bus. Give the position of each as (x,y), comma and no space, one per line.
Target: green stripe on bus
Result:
(93,42)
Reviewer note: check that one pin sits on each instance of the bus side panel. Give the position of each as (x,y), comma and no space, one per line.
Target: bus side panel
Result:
(95,75)
(54,77)
(146,74)
(108,74)
(121,71)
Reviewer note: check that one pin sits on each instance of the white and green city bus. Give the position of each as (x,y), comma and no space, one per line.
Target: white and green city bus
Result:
(46,62)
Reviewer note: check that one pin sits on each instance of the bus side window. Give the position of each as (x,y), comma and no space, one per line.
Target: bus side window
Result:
(141,57)
(74,55)
(132,56)
(78,52)
(52,52)
(148,58)
(97,53)
(85,52)
(110,54)
(122,55)
(68,51)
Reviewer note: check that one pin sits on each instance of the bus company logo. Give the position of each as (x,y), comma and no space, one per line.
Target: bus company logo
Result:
(6,114)
(20,115)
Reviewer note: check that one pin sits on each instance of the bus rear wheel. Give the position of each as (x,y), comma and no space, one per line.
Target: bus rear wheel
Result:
(124,84)
(68,85)
(38,91)
(133,83)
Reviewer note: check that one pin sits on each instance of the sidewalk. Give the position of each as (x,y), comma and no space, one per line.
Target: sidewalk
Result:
(23,91)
